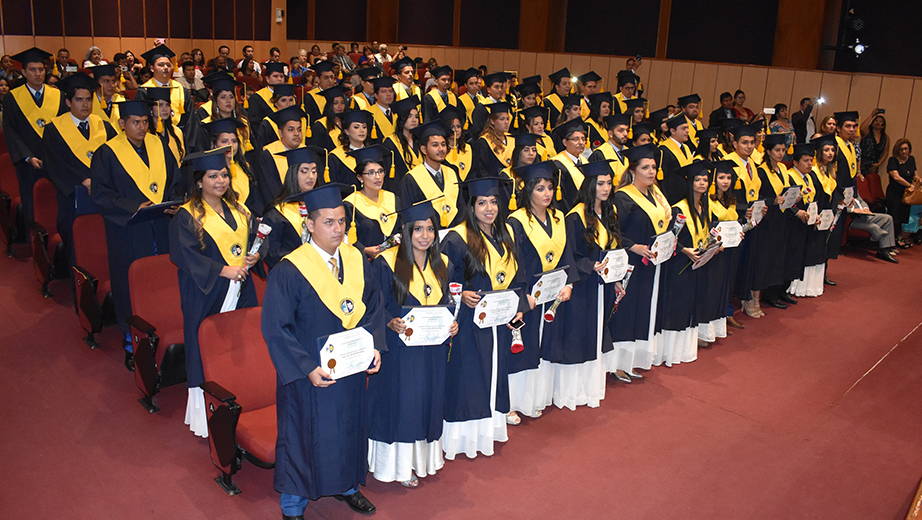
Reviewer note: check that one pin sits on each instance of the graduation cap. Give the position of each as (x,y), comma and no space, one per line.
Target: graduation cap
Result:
(571,101)
(437,127)
(695,169)
(819,142)
(625,77)
(596,100)
(303,155)
(617,119)
(803,149)
(326,196)
(100,71)
(532,79)
(773,140)
(322,66)
(405,105)
(729,166)
(499,108)
(158,93)
(466,75)
(676,122)
(743,131)
(483,186)
(496,77)
(438,72)
(559,75)
(135,107)
(589,76)
(595,169)
(731,122)
(209,159)
(333,92)
(526,89)
(451,112)
(274,66)
(842,117)
(538,170)
(78,80)
(283,90)
(641,128)
(403,62)
(421,210)
(222,83)
(228,125)
(646,151)
(160,51)
(758,125)
(385,82)
(535,111)
(526,140)
(705,136)
(292,113)
(368,74)
(33,55)
(355,116)
(658,116)
(216,75)
(691,98)
(567,129)
(634,103)
(375,153)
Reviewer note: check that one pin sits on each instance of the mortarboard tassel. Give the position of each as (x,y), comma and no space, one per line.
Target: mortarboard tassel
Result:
(393,169)
(353,234)
(374,132)
(307,127)
(326,166)
(159,126)
(102,103)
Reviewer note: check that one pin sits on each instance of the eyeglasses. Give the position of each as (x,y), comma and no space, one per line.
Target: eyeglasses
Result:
(375,173)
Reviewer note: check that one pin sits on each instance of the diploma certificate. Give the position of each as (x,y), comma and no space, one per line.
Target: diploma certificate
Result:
(346,353)
(825,219)
(548,285)
(812,211)
(496,308)
(729,233)
(426,325)
(706,256)
(757,207)
(849,195)
(616,267)
(663,247)
(791,194)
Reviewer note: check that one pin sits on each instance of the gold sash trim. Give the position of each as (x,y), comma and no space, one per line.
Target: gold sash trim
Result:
(602,239)
(150,180)
(344,300)
(550,248)
(660,213)
(38,116)
(444,206)
(82,148)
(231,243)
(500,268)
(424,286)
(380,211)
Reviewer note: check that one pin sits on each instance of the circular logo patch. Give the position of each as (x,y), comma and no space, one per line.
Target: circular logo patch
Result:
(501,277)
(89,154)
(427,289)
(154,187)
(549,257)
(384,217)
(347,306)
(236,250)
(40,122)
(752,193)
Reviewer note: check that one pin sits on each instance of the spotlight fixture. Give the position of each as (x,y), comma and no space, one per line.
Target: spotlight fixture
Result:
(858,48)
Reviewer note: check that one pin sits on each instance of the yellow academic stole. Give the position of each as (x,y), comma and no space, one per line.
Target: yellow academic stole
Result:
(554,100)
(82,148)
(501,269)
(545,146)
(699,234)
(619,98)
(319,99)
(206,106)
(549,248)
(584,110)
(827,181)
(660,213)
(618,165)
(416,160)
(684,158)
(404,92)
(344,300)
(469,107)
(150,180)
(38,116)
(240,182)
(602,132)
(849,156)
(112,116)
(754,184)
(231,243)
(176,98)
(281,162)
(505,157)
(382,211)
(347,160)
(693,127)
(334,133)
(424,286)
(360,102)
(462,160)
(719,212)
(778,184)
(577,176)
(446,205)
(439,103)
(292,212)
(383,123)
(804,181)
(305,129)
(603,238)
(174,143)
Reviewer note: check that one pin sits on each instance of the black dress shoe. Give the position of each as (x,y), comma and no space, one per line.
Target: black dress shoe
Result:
(886,257)
(827,281)
(286,517)
(129,361)
(786,298)
(778,304)
(357,502)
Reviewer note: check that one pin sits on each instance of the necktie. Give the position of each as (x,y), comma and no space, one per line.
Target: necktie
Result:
(445,98)
(850,147)
(620,158)
(748,170)
(38,98)
(84,129)
(685,153)
(388,113)
(334,267)
(439,179)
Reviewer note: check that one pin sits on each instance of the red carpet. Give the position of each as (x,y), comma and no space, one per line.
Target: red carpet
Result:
(786,419)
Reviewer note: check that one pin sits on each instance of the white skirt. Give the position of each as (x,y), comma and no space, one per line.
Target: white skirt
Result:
(398,461)
(676,346)
(196,417)
(531,391)
(712,330)
(811,284)
(583,384)
(628,355)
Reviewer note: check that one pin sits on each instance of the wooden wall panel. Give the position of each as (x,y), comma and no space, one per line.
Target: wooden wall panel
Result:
(561,61)
(77,45)
(109,46)
(223,21)
(451,57)
(807,83)
(914,124)
(136,46)
(495,60)
(179,46)
(49,18)
(511,62)
(895,97)
(752,82)
(202,21)
(544,65)
(611,79)
(527,65)
(17,43)
(680,83)
(864,94)
(602,65)
(705,85)
(52,44)
(105,18)
(481,57)
(777,89)
(729,78)
(264,21)
(17,20)
(465,58)
(132,18)
(436,52)
(656,83)
(835,89)
(580,64)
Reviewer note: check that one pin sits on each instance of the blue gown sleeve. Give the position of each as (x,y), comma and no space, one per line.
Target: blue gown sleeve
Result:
(285,290)
(186,252)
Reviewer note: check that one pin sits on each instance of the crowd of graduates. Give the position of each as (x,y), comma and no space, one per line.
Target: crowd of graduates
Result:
(382,197)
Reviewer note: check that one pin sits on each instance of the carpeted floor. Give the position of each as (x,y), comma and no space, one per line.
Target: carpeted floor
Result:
(808,413)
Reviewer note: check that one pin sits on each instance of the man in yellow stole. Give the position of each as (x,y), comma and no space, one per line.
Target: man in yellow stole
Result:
(434,177)
(440,97)
(159,60)
(106,97)
(26,110)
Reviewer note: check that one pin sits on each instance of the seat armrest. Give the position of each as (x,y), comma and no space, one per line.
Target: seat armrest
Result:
(86,274)
(217,391)
(138,323)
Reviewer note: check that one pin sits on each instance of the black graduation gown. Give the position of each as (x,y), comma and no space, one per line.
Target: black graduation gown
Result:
(411,193)
(715,284)
(400,164)
(470,366)
(268,179)
(479,118)
(407,396)
(748,249)
(817,248)
(769,254)
(673,184)
(117,197)
(553,113)
(340,172)
(678,282)
(322,441)
(580,313)
(320,137)
(794,258)
(283,239)
(202,289)
(187,103)
(368,230)
(486,162)
(257,110)
(553,337)
(843,180)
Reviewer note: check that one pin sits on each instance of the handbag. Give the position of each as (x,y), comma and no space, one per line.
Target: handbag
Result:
(913,194)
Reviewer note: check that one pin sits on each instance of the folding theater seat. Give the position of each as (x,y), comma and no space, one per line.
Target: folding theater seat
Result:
(48,253)
(156,327)
(239,391)
(91,276)
(11,222)
(254,83)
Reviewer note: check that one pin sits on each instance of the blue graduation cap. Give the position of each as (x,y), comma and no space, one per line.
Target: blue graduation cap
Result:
(209,159)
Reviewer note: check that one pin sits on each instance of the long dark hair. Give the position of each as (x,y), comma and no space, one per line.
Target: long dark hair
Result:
(517,153)
(728,199)
(460,142)
(291,187)
(404,265)
(475,260)
(523,198)
(344,139)
(408,150)
(690,197)
(595,111)
(331,115)
(239,158)
(168,128)
(198,204)
(587,195)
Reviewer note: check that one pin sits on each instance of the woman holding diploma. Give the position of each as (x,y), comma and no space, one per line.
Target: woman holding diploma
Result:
(286,214)
(643,213)
(371,211)
(407,397)
(484,255)
(715,285)
(540,232)
(209,236)
(768,274)
(592,227)
(822,184)
(798,229)
(678,341)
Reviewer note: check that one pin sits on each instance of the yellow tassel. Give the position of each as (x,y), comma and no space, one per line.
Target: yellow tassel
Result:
(159,126)
(454,155)
(559,193)
(374,132)
(353,234)
(326,166)
(393,169)
(659,175)
(307,128)
(712,190)
(102,103)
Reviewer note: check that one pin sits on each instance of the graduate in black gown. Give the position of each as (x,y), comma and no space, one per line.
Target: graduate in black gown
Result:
(769,274)
(846,171)
(798,229)
(599,109)
(553,102)
(407,396)
(492,151)
(617,127)
(402,143)
(434,176)
(268,130)
(676,154)
(573,136)
(259,105)
(287,213)
(272,166)
(326,130)
(226,132)
(209,243)
(132,170)
(371,211)
(460,154)
(322,288)
(483,254)
(592,227)
(26,110)
(540,232)
(356,125)
(822,186)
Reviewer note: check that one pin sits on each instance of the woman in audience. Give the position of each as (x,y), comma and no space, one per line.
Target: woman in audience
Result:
(781,124)
(8,72)
(902,171)
(248,69)
(371,210)
(874,144)
(93,57)
(827,126)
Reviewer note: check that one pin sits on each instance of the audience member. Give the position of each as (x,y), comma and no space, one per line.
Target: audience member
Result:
(248,54)
(803,121)
(875,144)
(93,57)
(8,72)
(220,61)
(780,124)
(902,170)
(724,111)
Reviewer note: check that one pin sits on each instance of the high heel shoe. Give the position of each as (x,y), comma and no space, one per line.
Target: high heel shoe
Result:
(513,419)
(620,375)
(749,308)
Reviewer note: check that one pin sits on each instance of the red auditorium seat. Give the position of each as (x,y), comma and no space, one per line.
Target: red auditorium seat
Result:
(3,148)
(130,94)
(48,254)
(156,327)
(355,57)
(11,223)
(91,276)
(239,391)
(254,83)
